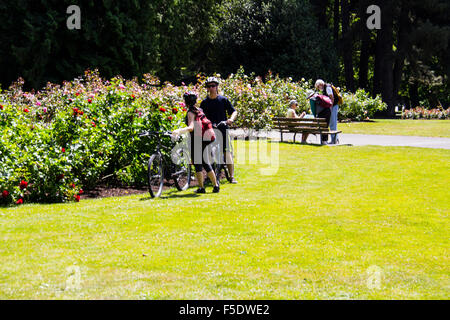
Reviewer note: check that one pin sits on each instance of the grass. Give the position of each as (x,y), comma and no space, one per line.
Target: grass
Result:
(423,128)
(327,224)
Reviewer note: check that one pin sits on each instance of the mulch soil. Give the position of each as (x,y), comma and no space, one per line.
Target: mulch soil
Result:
(105,191)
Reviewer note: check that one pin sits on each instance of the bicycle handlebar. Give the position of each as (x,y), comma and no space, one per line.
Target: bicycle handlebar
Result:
(221,123)
(154,133)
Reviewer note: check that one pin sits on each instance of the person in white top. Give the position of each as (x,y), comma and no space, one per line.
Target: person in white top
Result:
(291,111)
(293,104)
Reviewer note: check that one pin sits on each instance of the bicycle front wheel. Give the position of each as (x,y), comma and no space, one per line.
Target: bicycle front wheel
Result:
(155,175)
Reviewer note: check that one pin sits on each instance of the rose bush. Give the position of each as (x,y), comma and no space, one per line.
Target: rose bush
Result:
(65,138)
(423,113)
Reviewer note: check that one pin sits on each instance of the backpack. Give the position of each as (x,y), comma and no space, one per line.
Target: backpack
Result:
(336,94)
(206,125)
(324,101)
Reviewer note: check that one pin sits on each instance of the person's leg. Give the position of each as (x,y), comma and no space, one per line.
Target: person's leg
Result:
(229,162)
(333,122)
(199,175)
(304,137)
(198,169)
(325,113)
(208,168)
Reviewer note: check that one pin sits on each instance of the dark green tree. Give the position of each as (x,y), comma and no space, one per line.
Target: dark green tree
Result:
(281,35)
(117,37)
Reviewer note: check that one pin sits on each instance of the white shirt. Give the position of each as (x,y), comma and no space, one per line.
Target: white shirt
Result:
(329,90)
(291,113)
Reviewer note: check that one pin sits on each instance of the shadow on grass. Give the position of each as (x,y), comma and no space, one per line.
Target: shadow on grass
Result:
(298,143)
(312,144)
(172,195)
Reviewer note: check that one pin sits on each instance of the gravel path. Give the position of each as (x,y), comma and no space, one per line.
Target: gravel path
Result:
(365,139)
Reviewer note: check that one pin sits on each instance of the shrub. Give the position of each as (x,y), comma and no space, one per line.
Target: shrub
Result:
(68,137)
(360,106)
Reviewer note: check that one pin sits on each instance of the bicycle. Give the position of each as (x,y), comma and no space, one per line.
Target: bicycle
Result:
(220,164)
(161,167)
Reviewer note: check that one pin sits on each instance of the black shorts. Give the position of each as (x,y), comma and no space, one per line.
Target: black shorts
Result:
(204,163)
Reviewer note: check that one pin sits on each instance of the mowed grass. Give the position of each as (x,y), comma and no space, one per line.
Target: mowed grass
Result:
(333,223)
(421,128)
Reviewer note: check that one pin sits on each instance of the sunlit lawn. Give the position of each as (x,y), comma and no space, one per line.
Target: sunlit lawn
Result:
(423,128)
(333,223)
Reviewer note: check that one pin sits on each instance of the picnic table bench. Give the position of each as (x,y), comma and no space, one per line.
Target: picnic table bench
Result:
(302,125)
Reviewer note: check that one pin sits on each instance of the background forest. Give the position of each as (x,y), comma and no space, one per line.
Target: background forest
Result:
(406,61)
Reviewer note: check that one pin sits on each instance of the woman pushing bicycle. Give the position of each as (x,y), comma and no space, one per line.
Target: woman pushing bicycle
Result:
(201,136)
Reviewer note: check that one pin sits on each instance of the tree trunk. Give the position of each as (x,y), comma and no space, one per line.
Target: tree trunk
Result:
(402,47)
(384,57)
(365,47)
(414,94)
(320,10)
(336,20)
(347,49)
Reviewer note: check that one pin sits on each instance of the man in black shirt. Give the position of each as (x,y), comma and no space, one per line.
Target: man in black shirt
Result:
(218,108)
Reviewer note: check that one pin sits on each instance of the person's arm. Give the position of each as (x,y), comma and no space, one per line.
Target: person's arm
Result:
(230,109)
(187,129)
(232,118)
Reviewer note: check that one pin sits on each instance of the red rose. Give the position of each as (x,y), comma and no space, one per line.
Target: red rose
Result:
(60,177)
(93,124)
(162,109)
(77,197)
(20,201)
(73,185)
(81,112)
(77,94)
(90,100)
(23,184)
(1,107)
(63,150)
(5,193)
(170,118)
(184,110)
(133,96)
(26,110)
(81,191)
(174,110)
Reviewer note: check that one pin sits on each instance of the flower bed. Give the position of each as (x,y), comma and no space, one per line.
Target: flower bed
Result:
(422,113)
(65,138)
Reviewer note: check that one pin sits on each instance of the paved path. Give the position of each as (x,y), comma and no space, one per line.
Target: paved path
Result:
(365,139)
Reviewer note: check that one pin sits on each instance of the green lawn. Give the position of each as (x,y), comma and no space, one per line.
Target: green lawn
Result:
(423,128)
(331,221)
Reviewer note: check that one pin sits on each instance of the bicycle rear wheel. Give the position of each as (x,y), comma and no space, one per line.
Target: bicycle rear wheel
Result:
(182,174)
(155,175)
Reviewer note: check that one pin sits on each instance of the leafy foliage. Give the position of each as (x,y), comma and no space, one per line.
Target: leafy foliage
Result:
(282,35)
(68,137)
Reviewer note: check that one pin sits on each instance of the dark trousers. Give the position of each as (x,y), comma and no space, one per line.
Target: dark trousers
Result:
(324,113)
(203,163)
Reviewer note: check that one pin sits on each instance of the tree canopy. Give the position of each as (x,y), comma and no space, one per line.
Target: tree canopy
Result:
(406,61)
